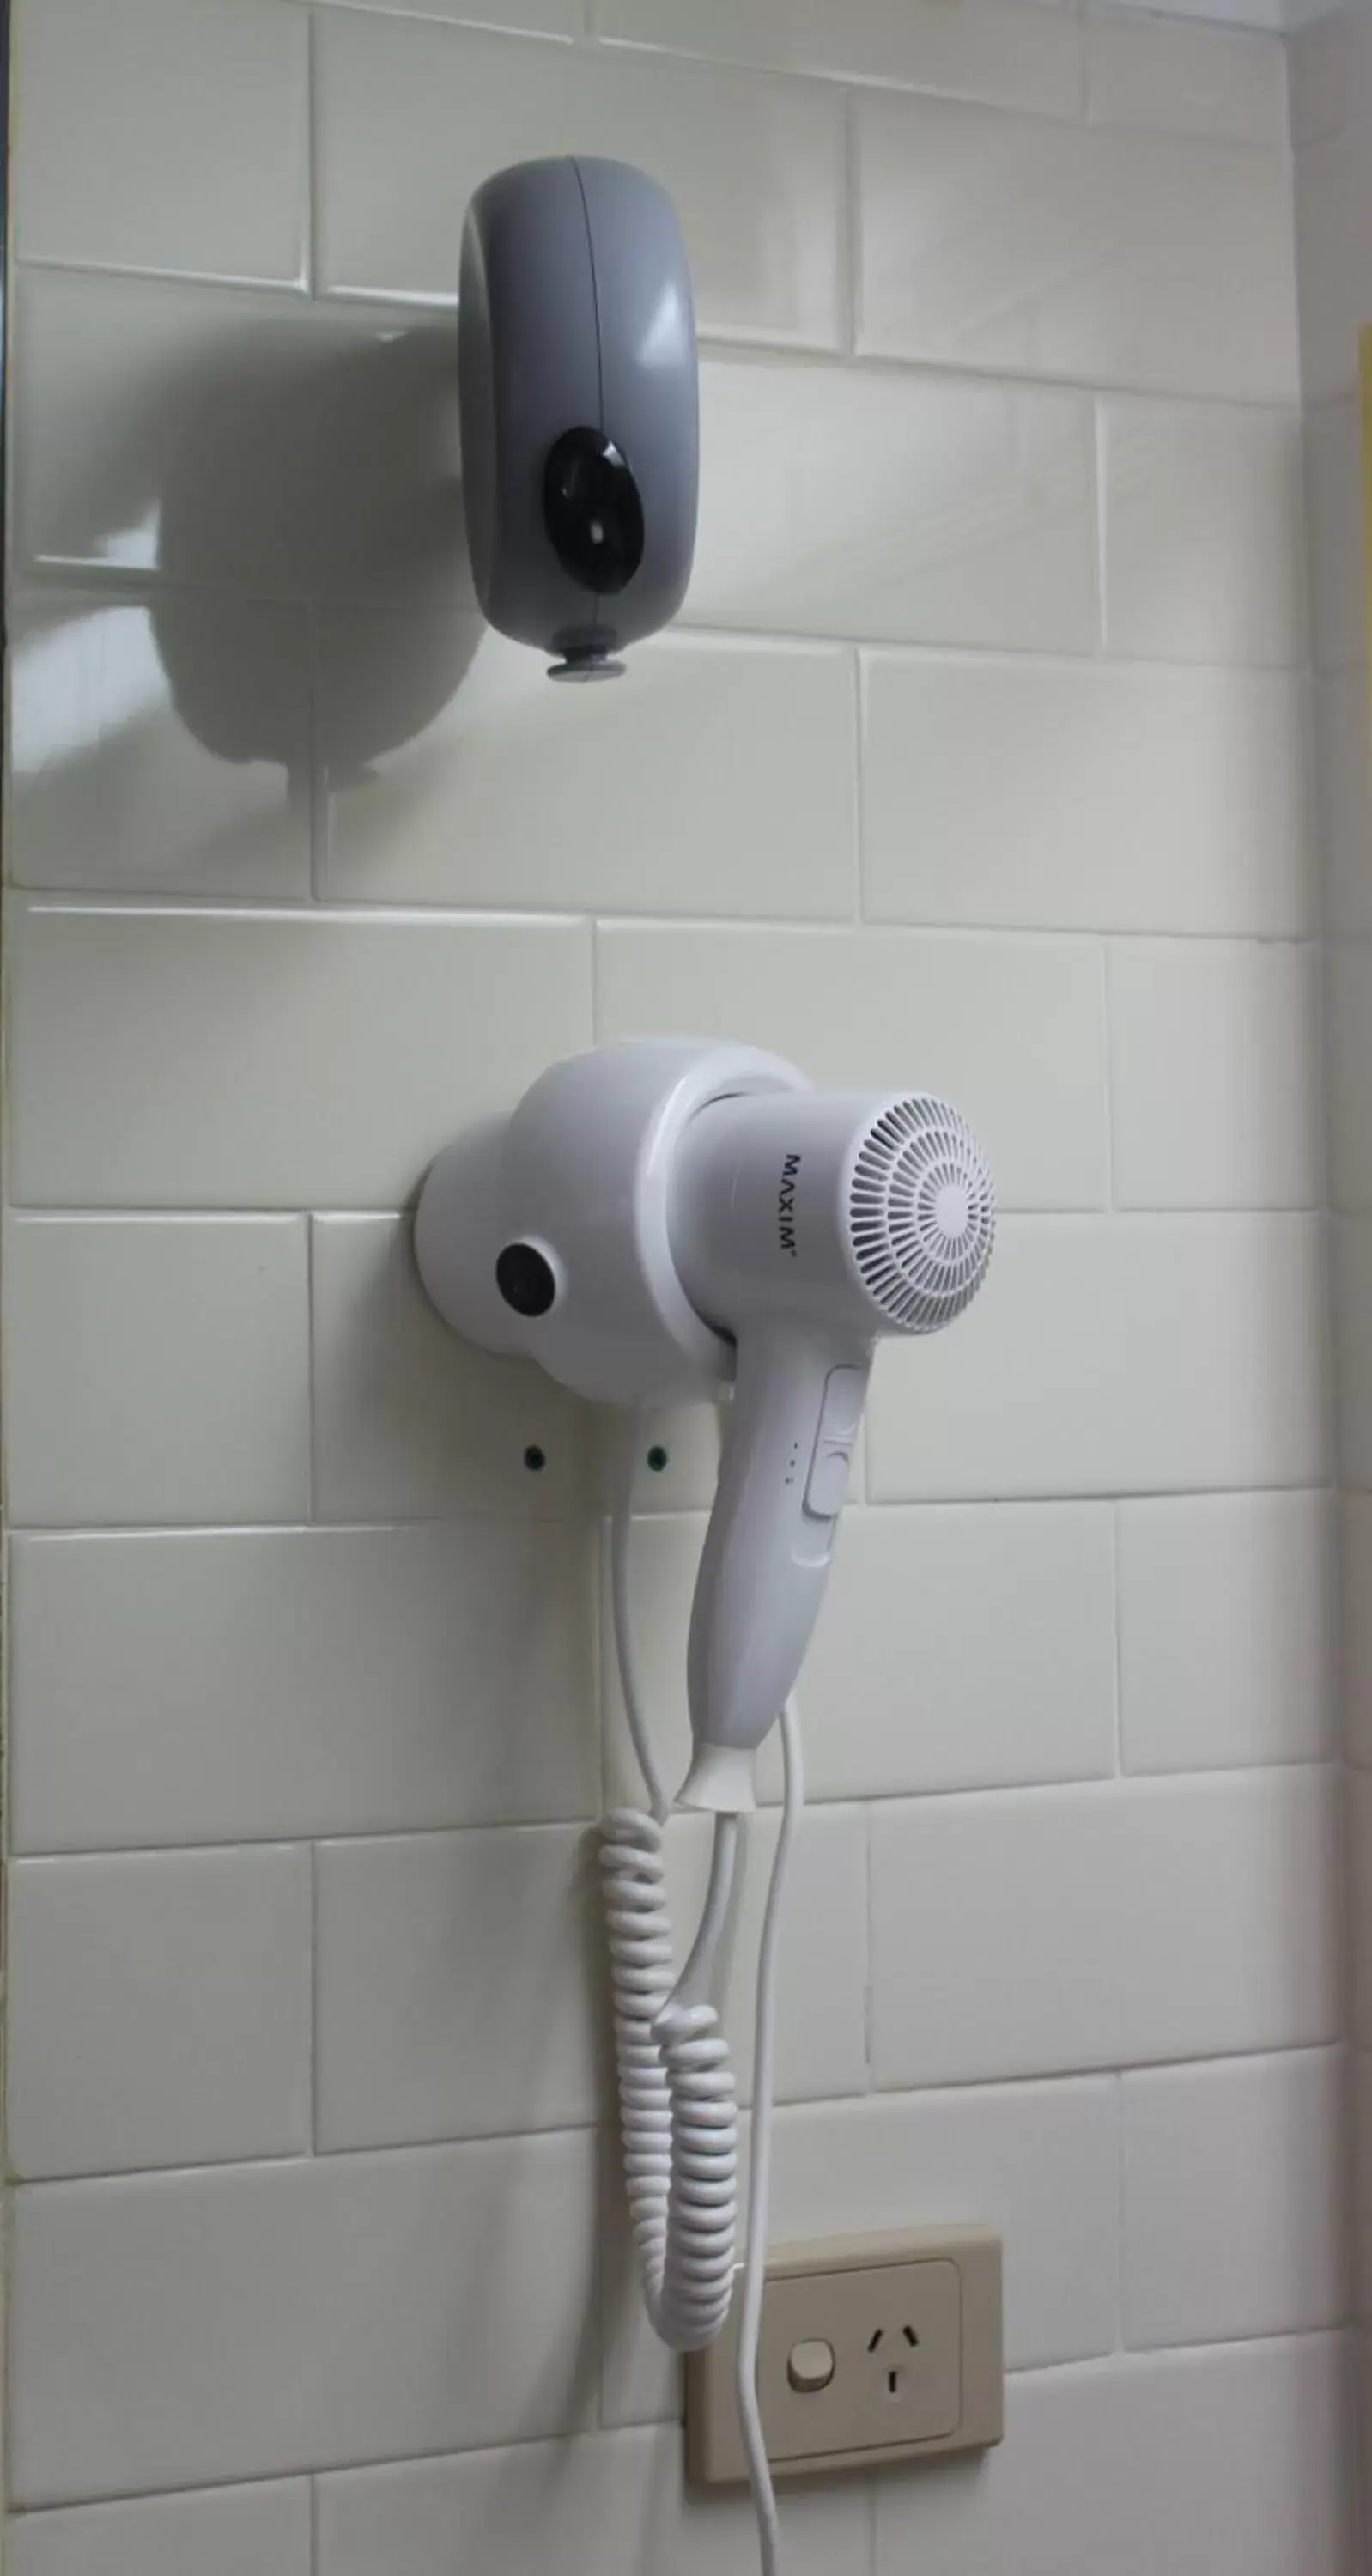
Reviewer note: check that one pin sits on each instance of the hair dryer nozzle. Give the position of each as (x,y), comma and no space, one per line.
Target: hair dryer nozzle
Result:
(921,1213)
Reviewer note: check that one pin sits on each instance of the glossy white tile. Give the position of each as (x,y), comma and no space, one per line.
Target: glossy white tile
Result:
(1012,1030)
(384,2301)
(1361,2089)
(1038,2161)
(181,146)
(1068,251)
(318,1060)
(669,1454)
(1334,533)
(1216,1074)
(1104,1925)
(1358,1847)
(1343,750)
(1331,74)
(1130,1354)
(981,50)
(1234,2199)
(502,798)
(1226,1631)
(1085,796)
(157,1369)
(458,1985)
(526,17)
(1348,993)
(410,1421)
(619,2499)
(129,722)
(219,1688)
(1201,533)
(1355,1556)
(1116,2467)
(220,2532)
(1333,234)
(1350,1282)
(266,444)
(159,2010)
(413,116)
(972,520)
(1176,78)
(961,1648)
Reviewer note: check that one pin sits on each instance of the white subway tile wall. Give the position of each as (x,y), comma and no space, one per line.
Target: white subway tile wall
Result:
(983,758)
(161,2009)
(1102,255)
(202,171)
(1184,80)
(1234,2199)
(1226,1631)
(1121,2468)
(1336,534)
(1041,2160)
(1331,103)
(219,2532)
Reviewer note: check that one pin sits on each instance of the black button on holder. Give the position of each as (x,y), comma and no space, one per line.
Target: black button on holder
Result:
(525,1278)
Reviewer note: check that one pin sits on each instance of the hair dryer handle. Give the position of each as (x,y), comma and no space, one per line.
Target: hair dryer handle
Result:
(798,1399)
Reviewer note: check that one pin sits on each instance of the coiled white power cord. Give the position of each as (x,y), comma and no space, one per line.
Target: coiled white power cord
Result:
(678,2109)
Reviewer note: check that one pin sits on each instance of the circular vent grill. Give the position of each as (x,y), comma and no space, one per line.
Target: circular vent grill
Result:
(922,1211)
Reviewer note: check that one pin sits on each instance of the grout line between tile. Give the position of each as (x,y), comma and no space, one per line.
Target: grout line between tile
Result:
(576,1511)
(314,1999)
(789,2109)
(311,1407)
(253,1837)
(1120,2219)
(597,928)
(135,903)
(851,224)
(320,814)
(1100,532)
(659,2428)
(1108,1072)
(1117,1639)
(859,709)
(312,156)
(720,345)
(869,1987)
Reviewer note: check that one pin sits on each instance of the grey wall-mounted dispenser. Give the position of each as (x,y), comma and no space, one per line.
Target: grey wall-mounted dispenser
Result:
(580,438)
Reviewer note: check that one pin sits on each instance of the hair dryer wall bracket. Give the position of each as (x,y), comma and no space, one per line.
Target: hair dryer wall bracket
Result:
(547,1232)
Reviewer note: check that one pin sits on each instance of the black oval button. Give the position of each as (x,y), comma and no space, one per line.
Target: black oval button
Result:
(525,1278)
(592,510)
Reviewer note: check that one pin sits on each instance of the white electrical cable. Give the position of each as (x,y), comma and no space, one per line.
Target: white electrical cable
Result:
(678,2112)
(760,2153)
(625,1653)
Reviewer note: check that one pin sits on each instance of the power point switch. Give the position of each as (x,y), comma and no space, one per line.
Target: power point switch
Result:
(872,2348)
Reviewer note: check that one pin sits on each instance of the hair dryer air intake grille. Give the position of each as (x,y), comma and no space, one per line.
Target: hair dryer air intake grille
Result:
(922,1211)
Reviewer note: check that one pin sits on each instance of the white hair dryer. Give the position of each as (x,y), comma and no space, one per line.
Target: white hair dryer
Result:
(655,1219)
(658,1217)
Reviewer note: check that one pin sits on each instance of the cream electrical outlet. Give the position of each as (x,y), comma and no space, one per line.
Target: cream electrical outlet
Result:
(872,2348)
